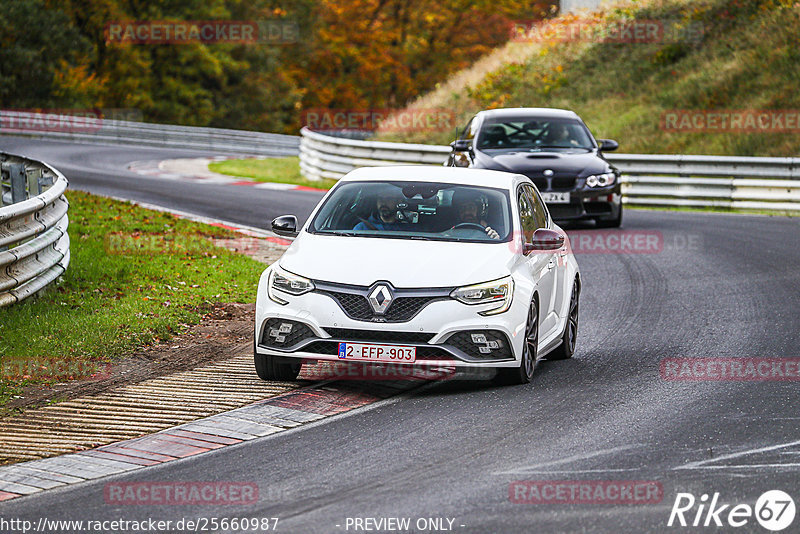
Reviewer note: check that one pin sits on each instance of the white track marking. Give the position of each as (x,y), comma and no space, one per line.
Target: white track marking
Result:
(702,463)
(576,457)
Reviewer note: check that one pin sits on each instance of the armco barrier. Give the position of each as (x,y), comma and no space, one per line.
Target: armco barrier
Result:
(34,245)
(116,132)
(647,180)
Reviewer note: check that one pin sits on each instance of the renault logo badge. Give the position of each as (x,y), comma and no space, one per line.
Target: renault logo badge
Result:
(380,298)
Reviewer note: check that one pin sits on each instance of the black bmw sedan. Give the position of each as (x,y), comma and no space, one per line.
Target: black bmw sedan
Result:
(555,149)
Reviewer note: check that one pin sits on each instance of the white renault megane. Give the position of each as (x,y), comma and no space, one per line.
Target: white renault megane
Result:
(421,265)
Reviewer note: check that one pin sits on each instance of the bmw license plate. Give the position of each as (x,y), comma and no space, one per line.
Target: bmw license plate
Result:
(556,198)
(377,353)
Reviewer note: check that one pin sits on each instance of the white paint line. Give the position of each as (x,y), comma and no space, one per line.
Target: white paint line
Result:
(568,471)
(698,463)
(742,466)
(576,457)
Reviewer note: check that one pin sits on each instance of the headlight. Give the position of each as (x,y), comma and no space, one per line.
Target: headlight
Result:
(499,292)
(601,180)
(281,281)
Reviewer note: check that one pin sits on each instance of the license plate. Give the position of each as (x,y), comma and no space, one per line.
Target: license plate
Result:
(556,198)
(377,353)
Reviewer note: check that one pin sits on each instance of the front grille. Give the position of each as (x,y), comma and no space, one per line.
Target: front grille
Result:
(563,182)
(404,308)
(357,306)
(541,183)
(331,348)
(379,336)
(556,183)
(282,333)
(482,344)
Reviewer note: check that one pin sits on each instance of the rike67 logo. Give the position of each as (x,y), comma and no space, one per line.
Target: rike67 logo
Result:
(774,510)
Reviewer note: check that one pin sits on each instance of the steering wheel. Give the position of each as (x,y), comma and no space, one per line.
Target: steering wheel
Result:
(470,225)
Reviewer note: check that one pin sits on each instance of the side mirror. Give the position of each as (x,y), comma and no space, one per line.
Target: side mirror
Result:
(608,145)
(285,225)
(461,145)
(544,239)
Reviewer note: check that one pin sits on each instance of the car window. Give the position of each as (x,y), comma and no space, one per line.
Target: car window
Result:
(539,209)
(527,215)
(528,133)
(415,210)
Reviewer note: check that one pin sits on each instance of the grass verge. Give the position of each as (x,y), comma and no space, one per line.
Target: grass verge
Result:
(280,170)
(135,277)
(729,55)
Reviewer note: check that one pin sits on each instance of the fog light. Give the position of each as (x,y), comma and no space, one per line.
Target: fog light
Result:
(278,333)
(487,346)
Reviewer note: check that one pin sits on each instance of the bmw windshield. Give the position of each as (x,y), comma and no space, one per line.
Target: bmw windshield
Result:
(415,210)
(530,134)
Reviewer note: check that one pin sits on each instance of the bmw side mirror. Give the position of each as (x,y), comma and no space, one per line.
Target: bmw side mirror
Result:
(461,145)
(544,239)
(608,145)
(285,225)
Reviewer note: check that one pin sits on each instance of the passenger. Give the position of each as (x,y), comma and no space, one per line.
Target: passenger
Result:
(386,209)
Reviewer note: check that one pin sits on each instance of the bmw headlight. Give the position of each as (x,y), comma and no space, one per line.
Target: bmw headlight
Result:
(601,180)
(282,281)
(499,292)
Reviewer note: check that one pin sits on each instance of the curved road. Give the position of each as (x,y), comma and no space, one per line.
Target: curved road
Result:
(103,169)
(721,286)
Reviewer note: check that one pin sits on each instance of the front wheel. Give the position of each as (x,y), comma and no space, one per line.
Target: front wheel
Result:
(277,368)
(530,350)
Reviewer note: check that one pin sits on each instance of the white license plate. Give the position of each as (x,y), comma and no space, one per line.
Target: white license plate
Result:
(377,353)
(556,198)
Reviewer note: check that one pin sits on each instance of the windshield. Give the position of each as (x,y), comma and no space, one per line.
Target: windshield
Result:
(526,133)
(415,210)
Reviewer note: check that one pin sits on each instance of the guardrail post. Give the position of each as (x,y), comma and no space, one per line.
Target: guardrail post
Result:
(34,184)
(16,172)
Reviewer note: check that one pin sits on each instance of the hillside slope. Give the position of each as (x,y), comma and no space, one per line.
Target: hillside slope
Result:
(729,55)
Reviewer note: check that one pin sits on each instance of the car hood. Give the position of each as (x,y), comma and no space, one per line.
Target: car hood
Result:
(404,263)
(561,163)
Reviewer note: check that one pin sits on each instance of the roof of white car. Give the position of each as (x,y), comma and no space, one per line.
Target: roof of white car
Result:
(430,173)
(541,113)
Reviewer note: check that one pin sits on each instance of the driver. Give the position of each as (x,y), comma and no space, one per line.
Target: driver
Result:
(386,210)
(470,208)
(559,135)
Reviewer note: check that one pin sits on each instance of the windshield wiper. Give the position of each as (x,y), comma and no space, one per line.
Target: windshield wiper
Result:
(539,147)
(345,233)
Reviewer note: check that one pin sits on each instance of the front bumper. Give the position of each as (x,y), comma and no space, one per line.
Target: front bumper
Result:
(442,331)
(592,204)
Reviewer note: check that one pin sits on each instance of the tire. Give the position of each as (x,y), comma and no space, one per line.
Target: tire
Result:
(567,347)
(277,368)
(524,373)
(611,223)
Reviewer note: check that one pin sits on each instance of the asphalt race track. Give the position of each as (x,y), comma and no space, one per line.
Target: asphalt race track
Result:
(103,169)
(724,286)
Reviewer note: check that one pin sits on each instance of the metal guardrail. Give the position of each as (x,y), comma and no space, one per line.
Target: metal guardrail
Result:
(116,132)
(34,244)
(647,180)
